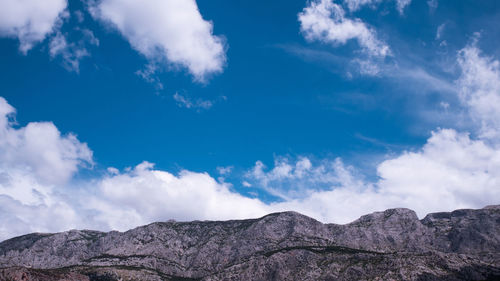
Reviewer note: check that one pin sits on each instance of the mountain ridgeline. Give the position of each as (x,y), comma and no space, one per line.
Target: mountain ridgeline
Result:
(389,245)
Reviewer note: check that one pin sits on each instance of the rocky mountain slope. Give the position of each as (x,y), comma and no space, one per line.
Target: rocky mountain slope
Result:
(390,245)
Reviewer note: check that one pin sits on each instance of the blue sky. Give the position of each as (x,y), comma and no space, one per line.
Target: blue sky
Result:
(271,105)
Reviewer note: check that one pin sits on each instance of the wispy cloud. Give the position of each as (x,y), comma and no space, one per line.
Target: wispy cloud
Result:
(440,30)
(71,53)
(402,69)
(388,146)
(149,74)
(433,4)
(224,171)
(192,103)
(355,5)
(347,66)
(426,79)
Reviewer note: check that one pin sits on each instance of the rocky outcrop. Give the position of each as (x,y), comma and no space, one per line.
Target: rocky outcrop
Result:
(389,245)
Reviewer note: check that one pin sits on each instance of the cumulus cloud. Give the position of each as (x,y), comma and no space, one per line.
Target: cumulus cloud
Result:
(288,180)
(34,161)
(30,21)
(144,194)
(21,218)
(166,30)
(480,90)
(451,171)
(325,21)
(39,148)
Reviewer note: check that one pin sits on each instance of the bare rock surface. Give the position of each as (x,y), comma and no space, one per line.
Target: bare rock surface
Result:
(389,245)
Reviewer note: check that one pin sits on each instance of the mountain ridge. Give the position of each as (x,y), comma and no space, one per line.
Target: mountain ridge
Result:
(393,244)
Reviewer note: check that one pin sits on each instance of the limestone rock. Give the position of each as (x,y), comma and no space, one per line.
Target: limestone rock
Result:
(389,245)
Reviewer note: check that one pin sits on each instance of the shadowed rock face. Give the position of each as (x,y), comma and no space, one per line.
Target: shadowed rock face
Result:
(389,245)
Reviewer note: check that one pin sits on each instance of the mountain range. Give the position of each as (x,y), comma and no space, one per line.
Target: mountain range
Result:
(390,245)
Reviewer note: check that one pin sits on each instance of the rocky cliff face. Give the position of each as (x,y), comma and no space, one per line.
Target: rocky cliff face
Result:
(390,245)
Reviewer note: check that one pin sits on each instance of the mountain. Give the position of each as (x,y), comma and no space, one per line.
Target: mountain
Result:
(389,245)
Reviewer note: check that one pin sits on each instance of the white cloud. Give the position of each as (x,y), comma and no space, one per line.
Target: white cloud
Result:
(20,218)
(34,161)
(40,149)
(288,180)
(113,170)
(144,195)
(439,31)
(187,102)
(89,37)
(223,171)
(355,5)
(426,81)
(121,201)
(367,67)
(169,30)
(401,5)
(80,16)
(480,90)
(30,21)
(149,75)
(433,4)
(325,21)
(444,105)
(70,53)
(451,171)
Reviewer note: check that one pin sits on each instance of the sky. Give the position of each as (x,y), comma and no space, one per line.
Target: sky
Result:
(119,113)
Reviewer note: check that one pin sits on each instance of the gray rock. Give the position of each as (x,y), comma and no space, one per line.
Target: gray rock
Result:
(389,245)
